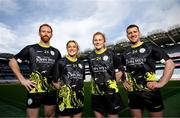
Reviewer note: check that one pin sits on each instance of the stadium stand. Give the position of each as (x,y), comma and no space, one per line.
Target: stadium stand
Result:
(6,74)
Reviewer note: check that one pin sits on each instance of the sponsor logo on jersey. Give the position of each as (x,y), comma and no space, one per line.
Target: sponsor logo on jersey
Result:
(98,58)
(39,51)
(44,60)
(46,51)
(75,75)
(134,61)
(134,51)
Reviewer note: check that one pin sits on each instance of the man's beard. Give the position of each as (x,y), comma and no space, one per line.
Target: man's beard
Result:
(45,39)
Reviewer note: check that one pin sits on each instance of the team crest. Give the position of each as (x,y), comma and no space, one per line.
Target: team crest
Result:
(30,101)
(105,58)
(142,50)
(52,52)
(61,109)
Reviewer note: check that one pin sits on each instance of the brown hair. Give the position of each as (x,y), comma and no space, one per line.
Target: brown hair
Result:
(99,33)
(131,26)
(45,25)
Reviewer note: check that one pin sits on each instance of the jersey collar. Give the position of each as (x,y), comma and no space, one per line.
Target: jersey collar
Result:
(137,45)
(44,46)
(71,59)
(101,51)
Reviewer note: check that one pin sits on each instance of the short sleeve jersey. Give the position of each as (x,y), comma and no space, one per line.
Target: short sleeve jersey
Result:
(41,63)
(71,75)
(140,63)
(103,67)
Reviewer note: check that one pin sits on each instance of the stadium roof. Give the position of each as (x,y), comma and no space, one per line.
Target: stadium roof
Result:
(6,56)
(175,34)
(161,38)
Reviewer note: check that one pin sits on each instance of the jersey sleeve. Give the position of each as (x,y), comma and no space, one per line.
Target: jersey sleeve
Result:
(59,55)
(84,73)
(22,55)
(89,63)
(57,71)
(159,54)
(117,63)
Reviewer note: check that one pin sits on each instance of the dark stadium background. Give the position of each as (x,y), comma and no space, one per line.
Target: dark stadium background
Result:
(12,94)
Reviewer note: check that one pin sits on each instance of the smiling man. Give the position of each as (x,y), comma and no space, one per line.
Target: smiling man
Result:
(142,86)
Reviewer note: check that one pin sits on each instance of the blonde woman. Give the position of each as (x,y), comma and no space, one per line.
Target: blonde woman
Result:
(70,74)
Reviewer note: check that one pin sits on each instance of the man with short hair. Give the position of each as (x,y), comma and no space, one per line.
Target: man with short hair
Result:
(143,88)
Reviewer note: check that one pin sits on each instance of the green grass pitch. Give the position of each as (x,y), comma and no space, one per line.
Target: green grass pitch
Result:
(12,100)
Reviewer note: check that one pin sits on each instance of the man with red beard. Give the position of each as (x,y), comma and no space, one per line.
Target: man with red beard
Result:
(42,58)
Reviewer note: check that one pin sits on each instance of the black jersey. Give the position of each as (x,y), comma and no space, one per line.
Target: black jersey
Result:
(140,64)
(71,75)
(103,67)
(41,62)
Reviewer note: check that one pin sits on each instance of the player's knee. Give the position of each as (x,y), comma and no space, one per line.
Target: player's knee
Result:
(49,114)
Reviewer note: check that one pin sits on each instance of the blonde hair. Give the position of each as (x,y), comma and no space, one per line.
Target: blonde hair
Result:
(73,41)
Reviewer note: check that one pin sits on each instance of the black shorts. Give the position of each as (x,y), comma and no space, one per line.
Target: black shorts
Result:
(34,100)
(68,111)
(110,104)
(151,100)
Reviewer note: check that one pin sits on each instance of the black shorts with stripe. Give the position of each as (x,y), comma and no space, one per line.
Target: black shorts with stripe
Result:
(34,100)
(110,104)
(68,111)
(151,100)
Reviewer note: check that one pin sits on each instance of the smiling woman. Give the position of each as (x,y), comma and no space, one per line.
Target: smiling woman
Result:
(104,68)
(69,81)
